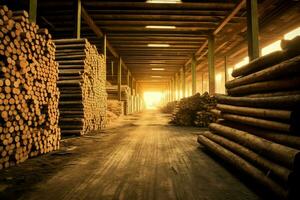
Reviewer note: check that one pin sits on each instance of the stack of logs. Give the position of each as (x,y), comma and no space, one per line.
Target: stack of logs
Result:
(112,92)
(28,92)
(116,107)
(82,79)
(169,107)
(258,129)
(188,110)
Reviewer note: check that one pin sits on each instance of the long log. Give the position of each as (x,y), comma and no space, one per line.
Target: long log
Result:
(256,112)
(272,168)
(262,123)
(263,62)
(275,136)
(266,86)
(275,94)
(72,132)
(288,67)
(291,45)
(278,102)
(244,166)
(70,41)
(287,156)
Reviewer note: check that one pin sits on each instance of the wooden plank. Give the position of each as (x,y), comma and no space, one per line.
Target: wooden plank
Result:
(193,71)
(119,78)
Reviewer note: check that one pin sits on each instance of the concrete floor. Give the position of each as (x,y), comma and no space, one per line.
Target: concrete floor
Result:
(139,157)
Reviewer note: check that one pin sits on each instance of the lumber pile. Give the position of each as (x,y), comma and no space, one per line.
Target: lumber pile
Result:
(82,83)
(185,112)
(169,107)
(112,92)
(28,92)
(258,129)
(116,107)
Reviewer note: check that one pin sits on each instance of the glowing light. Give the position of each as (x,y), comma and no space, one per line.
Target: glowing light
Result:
(158,45)
(242,63)
(163,1)
(218,77)
(158,69)
(275,46)
(156,76)
(160,27)
(292,34)
(152,99)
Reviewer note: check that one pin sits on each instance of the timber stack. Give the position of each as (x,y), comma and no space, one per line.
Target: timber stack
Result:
(116,107)
(112,92)
(169,107)
(187,110)
(82,79)
(258,129)
(28,92)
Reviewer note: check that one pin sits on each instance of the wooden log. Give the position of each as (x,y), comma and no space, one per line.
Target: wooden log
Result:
(263,62)
(285,68)
(72,132)
(275,136)
(272,168)
(266,86)
(291,45)
(70,41)
(277,102)
(284,115)
(243,166)
(287,156)
(275,94)
(267,124)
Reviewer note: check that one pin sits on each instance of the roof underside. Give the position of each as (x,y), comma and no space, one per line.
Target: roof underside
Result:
(125,23)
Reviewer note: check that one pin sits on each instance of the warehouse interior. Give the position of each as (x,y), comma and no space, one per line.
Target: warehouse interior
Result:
(150,99)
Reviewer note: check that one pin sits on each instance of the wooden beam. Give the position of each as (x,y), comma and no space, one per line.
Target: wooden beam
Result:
(236,9)
(104,46)
(77,18)
(211,64)
(193,71)
(90,22)
(32,10)
(252,29)
(119,79)
(231,15)
(226,68)
(183,80)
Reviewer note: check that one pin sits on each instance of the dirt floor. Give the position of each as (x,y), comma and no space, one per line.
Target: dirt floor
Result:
(138,157)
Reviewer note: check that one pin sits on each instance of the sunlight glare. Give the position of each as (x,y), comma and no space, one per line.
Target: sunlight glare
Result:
(152,99)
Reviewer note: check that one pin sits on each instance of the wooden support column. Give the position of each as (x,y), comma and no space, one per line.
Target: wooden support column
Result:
(112,68)
(226,68)
(128,82)
(183,81)
(176,87)
(77,18)
(193,71)
(104,46)
(32,10)
(173,88)
(120,79)
(211,64)
(252,29)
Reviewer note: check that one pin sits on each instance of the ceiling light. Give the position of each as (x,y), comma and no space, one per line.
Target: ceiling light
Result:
(158,45)
(156,76)
(163,1)
(158,69)
(161,27)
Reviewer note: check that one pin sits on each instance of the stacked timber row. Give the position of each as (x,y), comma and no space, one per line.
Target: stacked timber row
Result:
(194,111)
(258,129)
(82,79)
(28,92)
(112,92)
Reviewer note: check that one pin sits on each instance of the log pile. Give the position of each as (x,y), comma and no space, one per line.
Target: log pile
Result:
(169,107)
(185,112)
(82,83)
(28,92)
(258,129)
(115,106)
(112,92)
